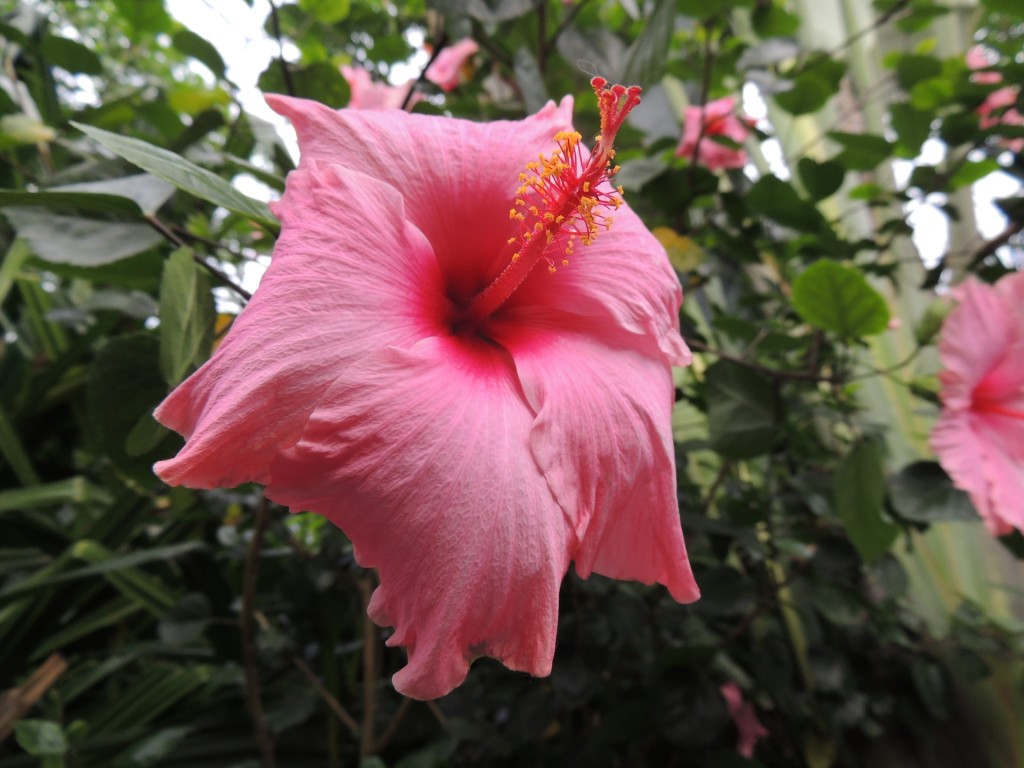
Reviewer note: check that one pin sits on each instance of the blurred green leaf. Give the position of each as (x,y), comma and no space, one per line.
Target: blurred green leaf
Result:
(923,493)
(741,412)
(777,200)
(860,497)
(40,738)
(839,299)
(200,49)
(813,86)
(861,151)
(821,179)
(321,81)
(326,11)
(71,55)
(187,315)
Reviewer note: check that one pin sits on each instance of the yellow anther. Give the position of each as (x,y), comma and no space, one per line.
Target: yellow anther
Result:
(511,241)
(551,268)
(565,262)
(515,256)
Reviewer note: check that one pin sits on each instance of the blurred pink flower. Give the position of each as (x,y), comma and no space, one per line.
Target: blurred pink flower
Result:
(999,106)
(743,715)
(979,437)
(367,94)
(446,68)
(701,124)
(411,370)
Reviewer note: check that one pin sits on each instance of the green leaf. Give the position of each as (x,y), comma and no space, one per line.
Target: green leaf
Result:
(326,11)
(147,16)
(146,191)
(40,738)
(861,151)
(741,412)
(79,241)
(821,179)
(812,87)
(187,315)
(702,9)
(71,55)
(182,173)
(645,58)
(321,80)
(912,69)
(911,126)
(1011,7)
(923,493)
(772,20)
(974,170)
(200,49)
(860,497)
(776,199)
(839,299)
(124,385)
(77,490)
(101,203)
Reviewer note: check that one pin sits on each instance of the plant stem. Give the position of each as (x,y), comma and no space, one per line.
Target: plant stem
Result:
(252,674)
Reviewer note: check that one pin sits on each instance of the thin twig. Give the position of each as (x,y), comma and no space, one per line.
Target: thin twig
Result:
(15,703)
(275,22)
(705,90)
(542,33)
(775,373)
(877,24)
(209,242)
(333,704)
(991,246)
(437,713)
(166,231)
(371,672)
(252,673)
(439,44)
(705,503)
(392,727)
(567,20)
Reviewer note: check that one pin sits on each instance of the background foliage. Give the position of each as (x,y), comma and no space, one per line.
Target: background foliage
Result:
(849,590)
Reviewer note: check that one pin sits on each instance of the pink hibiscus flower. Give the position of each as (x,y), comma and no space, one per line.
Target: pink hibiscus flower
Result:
(743,715)
(446,69)
(470,419)
(702,124)
(999,106)
(366,94)
(979,437)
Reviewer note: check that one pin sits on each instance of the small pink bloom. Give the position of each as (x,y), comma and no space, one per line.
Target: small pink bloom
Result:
(411,369)
(702,124)
(446,68)
(367,94)
(979,437)
(999,106)
(743,715)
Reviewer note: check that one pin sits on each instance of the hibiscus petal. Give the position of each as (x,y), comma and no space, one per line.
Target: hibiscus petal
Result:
(602,438)
(421,457)
(458,177)
(967,456)
(975,337)
(623,277)
(328,298)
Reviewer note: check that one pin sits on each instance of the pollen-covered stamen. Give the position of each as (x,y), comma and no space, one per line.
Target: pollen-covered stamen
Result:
(560,201)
